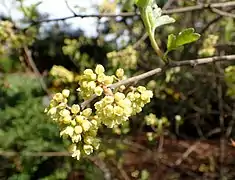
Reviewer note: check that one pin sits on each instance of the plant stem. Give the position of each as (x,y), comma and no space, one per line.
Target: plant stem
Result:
(172,64)
(155,46)
(145,17)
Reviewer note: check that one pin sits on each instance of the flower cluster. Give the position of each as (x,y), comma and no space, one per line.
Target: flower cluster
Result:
(122,129)
(11,38)
(139,97)
(208,47)
(153,121)
(157,125)
(74,123)
(80,59)
(97,82)
(126,58)
(62,74)
(116,109)
(230,81)
(111,110)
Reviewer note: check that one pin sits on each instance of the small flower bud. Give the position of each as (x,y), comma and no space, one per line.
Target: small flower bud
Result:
(119,96)
(108,80)
(99,69)
(88,72)
(96,143)
(120,73)
(94,122)
(79,119)
(76,138)
(141,89)
(73,122)
(118,110)
(108,99)
(67,119)
(75,109)
(91,85)
(58,97)
(64,112)
(67,131)
(98,91)
(77,154)
(52,111)
(122,87)
(88,139)
(87,112)
(65,93)
(88,149)
(86,125)
(101,78)
(78,129)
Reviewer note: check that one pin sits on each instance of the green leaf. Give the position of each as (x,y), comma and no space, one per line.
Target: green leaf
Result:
(155,17)
(171,43)
(152,17)
(162,20)
(185,37)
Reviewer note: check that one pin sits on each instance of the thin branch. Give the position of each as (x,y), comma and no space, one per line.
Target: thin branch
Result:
(137,78)
(213,21)
(222,13)
(109,15)
(140,40)
(120,169)
(29,59)
(68,6)
(193,63)
(203,30)
(168,4)
(172,64)
(221,121)
(124,82)
(102,166)
(187,153)
(216,19)
(131,14)
(200,7)
(85,103)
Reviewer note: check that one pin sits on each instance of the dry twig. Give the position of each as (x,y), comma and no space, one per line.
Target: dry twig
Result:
(131,14)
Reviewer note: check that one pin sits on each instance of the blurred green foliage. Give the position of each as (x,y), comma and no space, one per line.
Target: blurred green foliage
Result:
(26,129)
